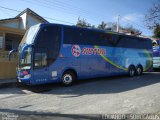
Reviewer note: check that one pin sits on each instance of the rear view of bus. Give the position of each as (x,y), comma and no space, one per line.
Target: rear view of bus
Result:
(52,53)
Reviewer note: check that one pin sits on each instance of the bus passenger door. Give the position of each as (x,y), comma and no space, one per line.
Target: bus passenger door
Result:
(40,71)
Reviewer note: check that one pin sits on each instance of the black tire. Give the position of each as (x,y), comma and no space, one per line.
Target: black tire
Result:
(131,71)
(68,78)
(139,70)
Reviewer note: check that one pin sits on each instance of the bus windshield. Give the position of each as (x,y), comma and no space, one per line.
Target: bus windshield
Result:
(29,35)
(25,63)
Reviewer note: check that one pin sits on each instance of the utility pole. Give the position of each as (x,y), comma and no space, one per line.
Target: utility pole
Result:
(118,23)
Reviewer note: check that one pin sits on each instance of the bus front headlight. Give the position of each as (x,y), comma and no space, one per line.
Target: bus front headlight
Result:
(27,76)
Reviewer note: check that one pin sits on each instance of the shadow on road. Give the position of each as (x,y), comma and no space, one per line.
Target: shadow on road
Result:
(29,115)
(156,70)
(93,86)
(108,85)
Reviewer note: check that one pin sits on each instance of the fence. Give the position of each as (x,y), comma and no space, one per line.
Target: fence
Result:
(7,68)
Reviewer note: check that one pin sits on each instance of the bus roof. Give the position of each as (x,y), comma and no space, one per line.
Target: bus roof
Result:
(96,30)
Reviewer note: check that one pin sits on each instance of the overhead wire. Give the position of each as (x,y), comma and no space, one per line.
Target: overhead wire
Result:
(10,9)
(5,12)
(87,11)
(73,7)
(65,6)
(60,8)
(42,16)
(63,20)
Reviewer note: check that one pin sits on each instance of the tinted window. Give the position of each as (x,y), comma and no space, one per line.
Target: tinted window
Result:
(107,39)
(134,42)
(40,60)
(86,37)
(76,36)
(49,38)
(91,37)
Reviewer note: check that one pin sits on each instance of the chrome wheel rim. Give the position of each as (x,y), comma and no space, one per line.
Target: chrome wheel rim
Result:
(139,71)
(132,72)
(67,78)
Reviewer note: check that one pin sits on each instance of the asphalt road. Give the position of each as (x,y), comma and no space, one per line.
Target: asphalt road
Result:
(121,95)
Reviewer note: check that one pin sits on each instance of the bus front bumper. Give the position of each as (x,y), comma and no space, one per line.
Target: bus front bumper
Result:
(26,81)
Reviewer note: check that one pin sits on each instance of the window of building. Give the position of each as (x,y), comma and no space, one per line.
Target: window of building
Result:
(1,40)
(12,41)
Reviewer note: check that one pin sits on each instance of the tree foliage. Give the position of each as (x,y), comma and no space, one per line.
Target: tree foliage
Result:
(152,17)
(102,26)
(132,30)
(108,26)
(83,23)
(157,31)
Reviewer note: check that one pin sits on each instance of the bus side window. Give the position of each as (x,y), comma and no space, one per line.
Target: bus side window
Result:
(40,60)
(122,42)
(105,40)
(49,38)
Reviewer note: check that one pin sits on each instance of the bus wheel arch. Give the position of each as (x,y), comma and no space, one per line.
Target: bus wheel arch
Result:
(139,70)
(131,70)
(69,76)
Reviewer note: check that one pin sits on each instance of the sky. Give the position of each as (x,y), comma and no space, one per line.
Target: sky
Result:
(131,12)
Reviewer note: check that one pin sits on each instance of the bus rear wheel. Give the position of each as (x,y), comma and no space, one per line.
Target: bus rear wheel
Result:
(68,78)
(139,70)
(132,71)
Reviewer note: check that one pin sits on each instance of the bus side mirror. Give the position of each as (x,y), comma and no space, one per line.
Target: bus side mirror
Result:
(11,52)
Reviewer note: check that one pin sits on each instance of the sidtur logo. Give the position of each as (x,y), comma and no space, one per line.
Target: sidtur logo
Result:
(76,50)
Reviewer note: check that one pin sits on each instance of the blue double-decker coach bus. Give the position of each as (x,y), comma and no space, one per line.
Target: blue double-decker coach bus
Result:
(52,53)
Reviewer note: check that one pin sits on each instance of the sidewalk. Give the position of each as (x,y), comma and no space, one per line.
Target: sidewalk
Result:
(8,83)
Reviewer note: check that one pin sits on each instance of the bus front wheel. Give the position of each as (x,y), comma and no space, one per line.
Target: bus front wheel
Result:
(132,71)
(68,78)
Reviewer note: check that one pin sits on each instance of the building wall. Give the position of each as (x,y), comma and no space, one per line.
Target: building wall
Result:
(17,27)
(23,21)
(8,68)
(14,24)
(31,20)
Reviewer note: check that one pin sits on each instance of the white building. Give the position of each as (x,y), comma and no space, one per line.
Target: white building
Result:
(11,33)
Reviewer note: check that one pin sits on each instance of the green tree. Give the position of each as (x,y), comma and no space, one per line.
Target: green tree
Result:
(152,17)
(126,29)
(102,26)
(157,31)
(132,30)
(83,23)
(108,26)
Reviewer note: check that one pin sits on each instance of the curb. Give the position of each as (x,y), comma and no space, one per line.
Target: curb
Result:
(8,84)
